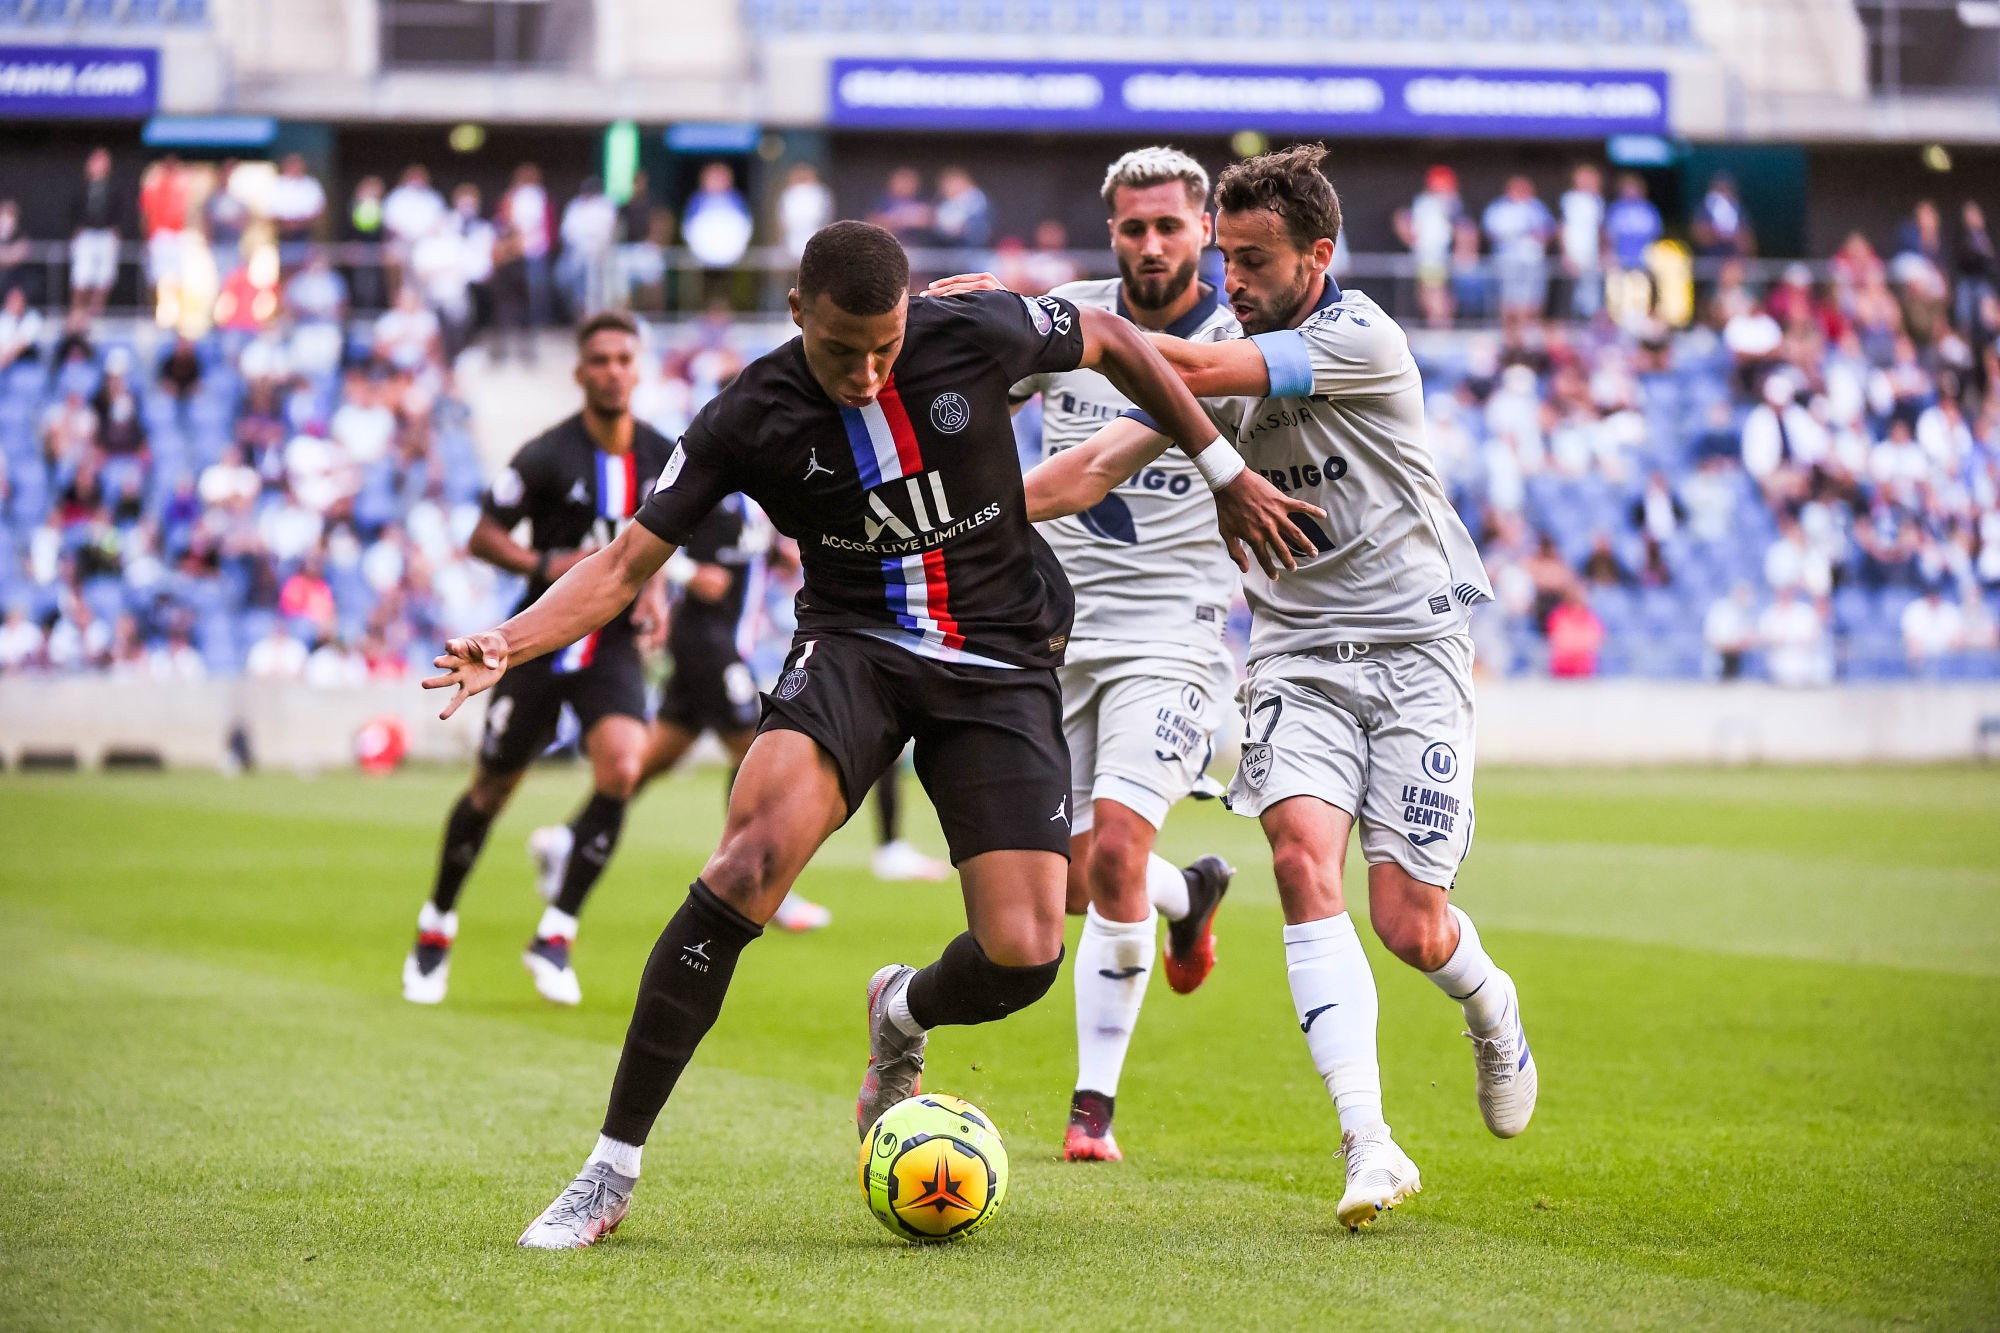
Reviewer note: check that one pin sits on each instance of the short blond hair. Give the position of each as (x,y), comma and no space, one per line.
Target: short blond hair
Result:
(1145,167)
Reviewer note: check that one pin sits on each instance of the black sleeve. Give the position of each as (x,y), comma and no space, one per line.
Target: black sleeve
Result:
(515,491)
(1029,335)
(696,479)
(706,541)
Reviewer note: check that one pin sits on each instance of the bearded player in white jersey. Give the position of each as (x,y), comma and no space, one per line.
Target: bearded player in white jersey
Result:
(1147,675)
(1358,707)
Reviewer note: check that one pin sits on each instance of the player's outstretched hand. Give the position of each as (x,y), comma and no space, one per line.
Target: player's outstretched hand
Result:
(1251,511)
(474,664)
(958,284)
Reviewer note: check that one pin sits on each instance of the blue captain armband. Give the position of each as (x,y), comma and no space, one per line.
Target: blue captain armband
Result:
(1143,417)
(1289,364)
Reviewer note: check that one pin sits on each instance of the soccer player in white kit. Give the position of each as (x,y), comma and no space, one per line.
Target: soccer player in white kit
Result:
(1147,674)
(1358,704)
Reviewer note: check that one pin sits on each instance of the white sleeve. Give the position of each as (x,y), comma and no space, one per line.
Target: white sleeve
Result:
(1023,390)
(1338,354)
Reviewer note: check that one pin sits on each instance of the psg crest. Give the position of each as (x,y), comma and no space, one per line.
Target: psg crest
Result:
(1256,765)
(950,413)
(791,683)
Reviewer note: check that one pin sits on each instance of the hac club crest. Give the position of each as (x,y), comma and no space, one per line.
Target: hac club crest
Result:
(1256,765)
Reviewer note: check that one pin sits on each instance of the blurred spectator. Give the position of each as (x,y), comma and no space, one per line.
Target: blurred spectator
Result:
(1730,631)
(1518,227)
(589,230)
(364,226)
(228,217)
(1922,234)
(716,224)
(297,203)
(163,209)
(441,268)
(335,666)
(1576,636)
(1933,630)
(21,642)
(642,227)
(277,656)
(902,209)
(1583,240)
(1427,228)
(1631,224)
(316,299)
(20,329)
(176,659)
(1793,562)
(1721,229)
(1471,289)
(804,206)
(181,370)
(1048,265)
(524,217)
(121,427)
(406,334)
(410,212)
(69,431)
(15,270)
(95,215)
(1977,270)
(1793,633)
(1601,567)
(962,219)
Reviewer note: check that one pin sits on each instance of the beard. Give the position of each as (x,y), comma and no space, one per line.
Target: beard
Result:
(1270,313)
(1155,291)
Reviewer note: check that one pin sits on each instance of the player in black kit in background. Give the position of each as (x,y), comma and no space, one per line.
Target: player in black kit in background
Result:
(577,485)
(711,633)
(880,440)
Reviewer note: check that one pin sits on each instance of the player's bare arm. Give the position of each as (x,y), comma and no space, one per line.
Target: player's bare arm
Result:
(1078,478)
(585,598)
(1250,511)
(1232,369)
(494,544)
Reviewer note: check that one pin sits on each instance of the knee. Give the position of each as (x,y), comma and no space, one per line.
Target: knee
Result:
(742,870)
(1421,934)
(1117,869)
(490,790)
(620,777)
(1298,868)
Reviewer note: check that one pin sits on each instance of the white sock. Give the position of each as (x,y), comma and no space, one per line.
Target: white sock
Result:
(899,1012)
(1471,978)
(430,921)
(1333,991)
(1114,959)
(556,924)
(1166,887)
(620,1157)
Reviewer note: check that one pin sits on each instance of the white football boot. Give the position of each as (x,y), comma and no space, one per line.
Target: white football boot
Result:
(899,862)
(548,848)
(797,914)
(427,968)
(1379,1176)
(584,1213)
(547,961)
(1506,1072)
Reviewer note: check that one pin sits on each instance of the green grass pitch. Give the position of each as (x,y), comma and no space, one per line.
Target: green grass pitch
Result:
(1764,1006)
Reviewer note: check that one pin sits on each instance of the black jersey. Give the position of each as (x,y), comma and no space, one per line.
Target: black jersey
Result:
(575,496)
(908,512)
(718,629)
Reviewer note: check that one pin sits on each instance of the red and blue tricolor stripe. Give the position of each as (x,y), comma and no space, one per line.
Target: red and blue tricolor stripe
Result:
(617,500)
(916,586)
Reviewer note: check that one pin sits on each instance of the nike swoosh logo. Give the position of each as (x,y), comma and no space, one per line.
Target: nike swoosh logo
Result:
(1166,758)
(1119,973)
(1313,1014)
(1425,838)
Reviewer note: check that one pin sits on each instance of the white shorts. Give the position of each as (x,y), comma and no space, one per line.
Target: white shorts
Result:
(93,259)
(1140,740)
(1386,736)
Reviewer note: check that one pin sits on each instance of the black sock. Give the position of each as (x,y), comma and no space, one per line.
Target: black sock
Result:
(965,986)
(888,800)
(595,830)
(464,835)
(680,994)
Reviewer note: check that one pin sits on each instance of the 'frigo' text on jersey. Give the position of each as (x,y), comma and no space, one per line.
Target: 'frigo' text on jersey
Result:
(1343,427)
(908,511)
(1147,564)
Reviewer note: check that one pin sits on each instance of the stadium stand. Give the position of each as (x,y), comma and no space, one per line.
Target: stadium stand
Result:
(102,15)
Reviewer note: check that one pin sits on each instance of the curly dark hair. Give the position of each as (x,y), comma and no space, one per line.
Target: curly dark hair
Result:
(1287,183)
(860,266)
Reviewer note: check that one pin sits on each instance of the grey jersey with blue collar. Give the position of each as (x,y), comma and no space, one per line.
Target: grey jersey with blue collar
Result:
(1147,563)
(1343,427)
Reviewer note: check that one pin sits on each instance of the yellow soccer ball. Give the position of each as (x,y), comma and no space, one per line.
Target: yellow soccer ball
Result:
(933,1168)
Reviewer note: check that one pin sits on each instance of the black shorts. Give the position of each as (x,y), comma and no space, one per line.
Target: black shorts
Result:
(527,703)
(989,741)
(711,690)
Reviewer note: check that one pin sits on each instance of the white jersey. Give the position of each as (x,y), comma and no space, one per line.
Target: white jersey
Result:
(1343,427)
(1147,563)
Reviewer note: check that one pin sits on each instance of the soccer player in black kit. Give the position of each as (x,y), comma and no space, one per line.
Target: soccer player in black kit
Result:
(577,485)
(880,440)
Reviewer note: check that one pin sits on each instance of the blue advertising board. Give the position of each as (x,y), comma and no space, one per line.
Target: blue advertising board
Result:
(108,82)
(1163,97)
